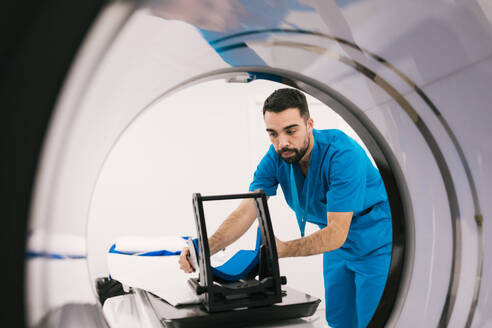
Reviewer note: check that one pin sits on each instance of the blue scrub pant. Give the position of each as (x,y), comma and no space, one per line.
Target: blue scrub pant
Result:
(353,288)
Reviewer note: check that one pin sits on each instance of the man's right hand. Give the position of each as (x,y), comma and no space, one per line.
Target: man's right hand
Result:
(184,262)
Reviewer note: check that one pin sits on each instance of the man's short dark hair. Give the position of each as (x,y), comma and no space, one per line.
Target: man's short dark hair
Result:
(282,99)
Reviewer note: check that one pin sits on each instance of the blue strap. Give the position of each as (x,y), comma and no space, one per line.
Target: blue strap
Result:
(301,217)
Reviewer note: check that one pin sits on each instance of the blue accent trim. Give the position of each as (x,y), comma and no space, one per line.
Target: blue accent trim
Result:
(113,250)
(46,255)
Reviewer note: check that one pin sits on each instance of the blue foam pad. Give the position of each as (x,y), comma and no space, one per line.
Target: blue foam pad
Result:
(240,264)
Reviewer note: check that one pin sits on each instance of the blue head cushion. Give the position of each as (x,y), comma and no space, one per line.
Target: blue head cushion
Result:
(240,264)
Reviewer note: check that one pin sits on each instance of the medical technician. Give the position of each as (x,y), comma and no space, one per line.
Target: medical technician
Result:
(328,180)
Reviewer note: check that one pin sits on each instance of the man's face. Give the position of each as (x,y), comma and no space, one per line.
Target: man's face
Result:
(289,133)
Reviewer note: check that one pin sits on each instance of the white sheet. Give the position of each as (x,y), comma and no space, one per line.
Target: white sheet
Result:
(159,275)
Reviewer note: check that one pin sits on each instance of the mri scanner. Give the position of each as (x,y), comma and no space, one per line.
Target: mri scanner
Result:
(412,78)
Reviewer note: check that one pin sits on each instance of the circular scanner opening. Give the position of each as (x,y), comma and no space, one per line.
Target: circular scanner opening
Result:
(208,136)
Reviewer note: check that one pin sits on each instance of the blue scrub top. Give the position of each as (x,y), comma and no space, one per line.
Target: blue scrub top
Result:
(340,178)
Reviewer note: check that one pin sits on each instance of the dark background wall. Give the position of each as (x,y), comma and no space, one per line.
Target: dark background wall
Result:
(38,40)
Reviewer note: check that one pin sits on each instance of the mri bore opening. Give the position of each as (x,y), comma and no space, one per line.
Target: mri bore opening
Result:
(207,137)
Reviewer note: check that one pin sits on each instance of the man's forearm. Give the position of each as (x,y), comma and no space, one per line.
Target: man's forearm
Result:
(236,224)
(327,239)
(226,234)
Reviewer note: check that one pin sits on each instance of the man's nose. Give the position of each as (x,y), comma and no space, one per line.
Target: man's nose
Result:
(283,142)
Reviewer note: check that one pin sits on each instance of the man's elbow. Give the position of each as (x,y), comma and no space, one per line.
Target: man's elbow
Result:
(340,241)
(339,238)
(339,226)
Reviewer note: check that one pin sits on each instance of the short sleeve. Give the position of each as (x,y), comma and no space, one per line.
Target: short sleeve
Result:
(265,176)
(347,181)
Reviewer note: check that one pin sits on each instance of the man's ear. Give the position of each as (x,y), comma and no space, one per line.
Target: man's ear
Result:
(310,123)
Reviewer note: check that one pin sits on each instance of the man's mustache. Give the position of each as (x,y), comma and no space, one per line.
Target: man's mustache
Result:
(283,150)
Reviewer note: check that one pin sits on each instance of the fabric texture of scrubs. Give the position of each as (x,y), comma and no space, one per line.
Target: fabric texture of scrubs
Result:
(340,178)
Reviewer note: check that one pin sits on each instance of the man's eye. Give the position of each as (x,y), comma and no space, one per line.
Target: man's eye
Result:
(291,132)
(272,135)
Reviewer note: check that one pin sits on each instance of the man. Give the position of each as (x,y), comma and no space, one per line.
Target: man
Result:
(328,180)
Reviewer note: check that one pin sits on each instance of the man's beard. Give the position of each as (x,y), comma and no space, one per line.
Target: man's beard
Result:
(298,153)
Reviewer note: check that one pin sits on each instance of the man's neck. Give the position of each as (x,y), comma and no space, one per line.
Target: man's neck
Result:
(304,162)
(304,167)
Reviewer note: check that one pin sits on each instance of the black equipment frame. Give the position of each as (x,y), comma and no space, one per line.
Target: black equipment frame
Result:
(216,295)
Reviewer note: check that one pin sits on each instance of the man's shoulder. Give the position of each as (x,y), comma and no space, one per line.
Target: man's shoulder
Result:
(271,156)
(333,137)
(271,153)
(334,142)
(272,163)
